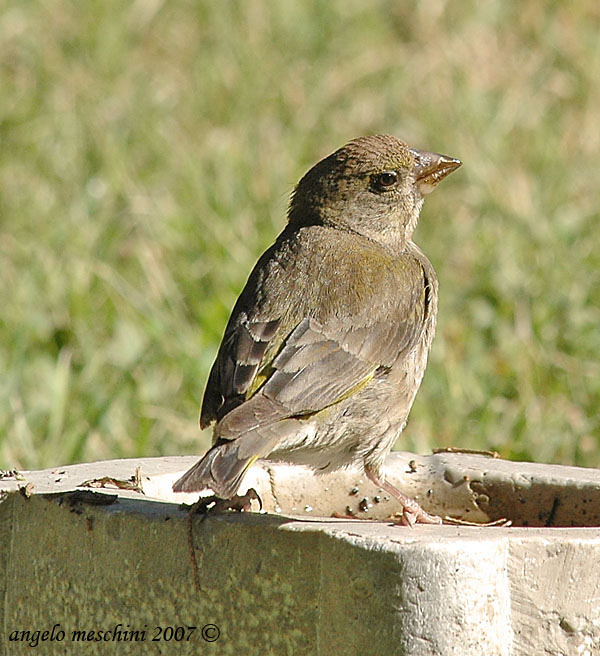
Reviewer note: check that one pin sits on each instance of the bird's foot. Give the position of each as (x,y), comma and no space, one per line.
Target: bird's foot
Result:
(215,504)
(412,513)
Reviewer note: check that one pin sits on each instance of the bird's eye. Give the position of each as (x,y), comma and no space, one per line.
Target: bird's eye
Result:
(385,180)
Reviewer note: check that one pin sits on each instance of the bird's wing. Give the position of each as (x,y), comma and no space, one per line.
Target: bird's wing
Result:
(236,366)
(317,365)
(310,373)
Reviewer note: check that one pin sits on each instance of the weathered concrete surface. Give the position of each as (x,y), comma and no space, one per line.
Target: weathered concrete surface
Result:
(303,585)
(470,487)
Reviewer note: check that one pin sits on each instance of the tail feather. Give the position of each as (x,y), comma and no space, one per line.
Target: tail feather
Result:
(224,465)
(220,470)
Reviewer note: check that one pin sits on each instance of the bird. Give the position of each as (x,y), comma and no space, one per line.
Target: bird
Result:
(327,344)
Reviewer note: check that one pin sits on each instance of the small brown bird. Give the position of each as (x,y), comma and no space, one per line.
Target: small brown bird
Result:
(327,344)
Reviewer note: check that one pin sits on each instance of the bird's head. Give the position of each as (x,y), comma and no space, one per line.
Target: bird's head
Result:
(373,186)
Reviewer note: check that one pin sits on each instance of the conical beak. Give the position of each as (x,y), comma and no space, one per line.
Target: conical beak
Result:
(431,168)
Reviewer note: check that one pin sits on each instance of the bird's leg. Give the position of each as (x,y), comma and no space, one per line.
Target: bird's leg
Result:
(412,513)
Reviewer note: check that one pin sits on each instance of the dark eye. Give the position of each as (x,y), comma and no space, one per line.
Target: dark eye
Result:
(385,180)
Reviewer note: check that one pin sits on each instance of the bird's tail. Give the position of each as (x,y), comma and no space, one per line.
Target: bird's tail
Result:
(221,469)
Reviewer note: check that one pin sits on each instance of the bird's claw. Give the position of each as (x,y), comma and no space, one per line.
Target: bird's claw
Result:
(412,514)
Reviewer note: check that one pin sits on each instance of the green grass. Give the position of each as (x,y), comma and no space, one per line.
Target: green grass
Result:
(147,153)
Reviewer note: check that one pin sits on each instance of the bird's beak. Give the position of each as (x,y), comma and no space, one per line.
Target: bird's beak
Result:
(431,168)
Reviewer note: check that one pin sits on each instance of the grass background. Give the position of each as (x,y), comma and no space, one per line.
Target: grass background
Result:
(148,149)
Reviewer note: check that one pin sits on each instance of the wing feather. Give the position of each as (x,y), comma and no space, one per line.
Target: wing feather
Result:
(314,353)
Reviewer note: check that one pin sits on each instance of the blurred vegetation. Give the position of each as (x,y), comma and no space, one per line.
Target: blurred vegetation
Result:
(147,152)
